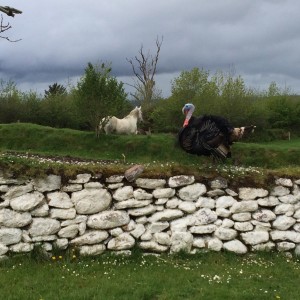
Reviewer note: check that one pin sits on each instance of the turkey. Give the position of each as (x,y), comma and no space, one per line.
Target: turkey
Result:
(209,135)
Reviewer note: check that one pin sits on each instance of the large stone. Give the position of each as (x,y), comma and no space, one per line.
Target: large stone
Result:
(47,184)
(225,202)
(163,193)
(123,193)
(91,201)
(153,246)
(149,183)
(226,234)
(9,236)
(255,237)
(69,231)
(180,180)
(244,206)
(166,215)
(132,203)
(181,241)
(264,215)
(122,242)
(27,202)
(91,250)
(283,222)
(192,192)
(43,226)
(252,193)
(59,200)
(204,216)
(81,178)
(133,173)
(10,218)
(141,194)
(235,246)
(91,237)
(108,220)
(63,214)
(17,191)
(143,211)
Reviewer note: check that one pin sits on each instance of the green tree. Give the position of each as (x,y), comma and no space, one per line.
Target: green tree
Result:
(55,89)
(99,94)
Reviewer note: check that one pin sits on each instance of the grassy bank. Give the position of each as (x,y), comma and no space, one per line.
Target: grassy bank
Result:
(201,276)
(157,151)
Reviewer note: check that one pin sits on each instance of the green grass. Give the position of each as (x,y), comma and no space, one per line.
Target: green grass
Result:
(159,153)
(202,276)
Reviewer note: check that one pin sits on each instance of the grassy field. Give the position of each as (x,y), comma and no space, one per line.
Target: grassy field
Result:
(200,276)
(160,150)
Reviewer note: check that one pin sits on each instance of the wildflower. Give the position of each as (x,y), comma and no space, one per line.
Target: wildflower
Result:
(60,257)
(53,258)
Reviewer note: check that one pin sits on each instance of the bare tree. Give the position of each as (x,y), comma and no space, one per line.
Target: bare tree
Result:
(144,69)
(10,11)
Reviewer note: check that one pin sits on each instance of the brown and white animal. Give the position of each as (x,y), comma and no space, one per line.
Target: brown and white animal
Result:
(209,135)
(127,125)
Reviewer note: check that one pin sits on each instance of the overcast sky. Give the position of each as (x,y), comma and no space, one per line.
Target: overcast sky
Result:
(260,39)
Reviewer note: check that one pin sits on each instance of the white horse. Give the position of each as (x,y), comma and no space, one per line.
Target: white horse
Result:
(127,125)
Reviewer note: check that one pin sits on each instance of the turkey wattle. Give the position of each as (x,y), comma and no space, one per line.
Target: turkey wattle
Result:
(209,135)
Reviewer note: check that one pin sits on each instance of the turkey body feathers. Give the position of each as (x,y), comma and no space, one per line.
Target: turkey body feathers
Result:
(207,135)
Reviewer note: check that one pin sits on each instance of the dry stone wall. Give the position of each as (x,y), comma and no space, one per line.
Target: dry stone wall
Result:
(95,214)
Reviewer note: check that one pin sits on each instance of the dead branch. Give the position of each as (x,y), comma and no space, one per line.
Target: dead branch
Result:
(10,11)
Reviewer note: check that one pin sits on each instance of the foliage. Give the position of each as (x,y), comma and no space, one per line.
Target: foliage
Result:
(55,89)
(99,94)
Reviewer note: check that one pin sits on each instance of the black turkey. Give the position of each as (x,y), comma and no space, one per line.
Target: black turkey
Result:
(209,135)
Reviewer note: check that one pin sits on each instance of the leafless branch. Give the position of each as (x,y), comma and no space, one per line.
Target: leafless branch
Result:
(10,11)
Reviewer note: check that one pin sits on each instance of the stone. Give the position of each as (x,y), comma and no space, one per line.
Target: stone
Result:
(90,237)
(255,237)
(166,215)
(284,182)
(43,226)
(47,184)
(133,173)
(203,229)
(17,191)
(226,234)
(144,211)
(108,219)
(122,242)
(131,203)
(141,194)
(11,218)
(204,216)
(81,178)
(91,201)
(192,192)
(252,193)
(268,201)
(63,214)
(162,238)
(181,241)
(264,215)
(123,193)
(219,183)
(180,180)
(91,250)
(243,226)
(283,222)
(225,202)
(235,246)
(59,200)
(244,206)
(280,191)
(27,201)
(153,246)
(21,247)
(9,236)
(163,193)
(149,183)
(69,232)
(187,207)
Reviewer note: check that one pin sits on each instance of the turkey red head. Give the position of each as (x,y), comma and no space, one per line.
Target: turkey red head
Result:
(188,110)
